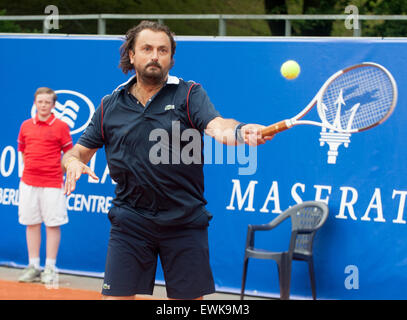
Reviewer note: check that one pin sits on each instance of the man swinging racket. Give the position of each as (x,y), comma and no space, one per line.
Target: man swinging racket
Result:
(159,208)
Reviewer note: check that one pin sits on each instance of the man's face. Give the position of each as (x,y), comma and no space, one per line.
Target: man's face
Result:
(44,103)
(152,56)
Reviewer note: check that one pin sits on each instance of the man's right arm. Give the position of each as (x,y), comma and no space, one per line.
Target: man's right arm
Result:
(74,161)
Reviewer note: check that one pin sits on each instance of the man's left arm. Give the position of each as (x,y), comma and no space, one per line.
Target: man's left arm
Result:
(232,132)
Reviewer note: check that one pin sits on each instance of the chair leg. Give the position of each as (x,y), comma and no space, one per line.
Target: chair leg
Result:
(312,278)
(245,263)
(284,271)
(281,279)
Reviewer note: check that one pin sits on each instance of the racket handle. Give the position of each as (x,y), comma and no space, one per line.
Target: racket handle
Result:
(275,128)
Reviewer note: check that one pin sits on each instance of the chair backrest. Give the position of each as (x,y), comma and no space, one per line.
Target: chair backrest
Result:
(306,219)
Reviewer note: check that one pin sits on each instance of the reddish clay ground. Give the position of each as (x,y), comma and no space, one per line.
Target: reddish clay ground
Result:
(10,290)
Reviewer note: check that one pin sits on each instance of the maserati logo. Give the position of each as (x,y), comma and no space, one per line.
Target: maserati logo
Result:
(336,139)
(72,107)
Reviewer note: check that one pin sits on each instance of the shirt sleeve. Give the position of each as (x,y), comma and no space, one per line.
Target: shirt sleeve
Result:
(66,139)
(92,137)
(21,139)
(201,109)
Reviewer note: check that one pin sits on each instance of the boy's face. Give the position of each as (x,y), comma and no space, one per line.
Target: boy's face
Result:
(44,103)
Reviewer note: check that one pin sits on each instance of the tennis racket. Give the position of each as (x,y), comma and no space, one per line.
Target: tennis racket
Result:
(354,99)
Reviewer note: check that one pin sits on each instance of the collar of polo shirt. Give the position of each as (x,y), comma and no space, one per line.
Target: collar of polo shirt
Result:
(49,121)
(170,80)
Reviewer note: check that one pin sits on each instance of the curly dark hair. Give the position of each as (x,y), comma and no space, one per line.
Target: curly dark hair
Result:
(130,40)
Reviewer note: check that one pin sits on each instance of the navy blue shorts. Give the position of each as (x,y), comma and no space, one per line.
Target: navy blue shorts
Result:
(134,245)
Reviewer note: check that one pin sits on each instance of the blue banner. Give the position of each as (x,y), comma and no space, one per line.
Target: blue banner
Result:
(360,253)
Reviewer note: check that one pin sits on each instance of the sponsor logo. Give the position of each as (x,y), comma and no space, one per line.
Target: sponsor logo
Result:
(343,117)
(169,107)
(72,107)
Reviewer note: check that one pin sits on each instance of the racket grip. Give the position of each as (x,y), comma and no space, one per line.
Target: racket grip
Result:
(275,128)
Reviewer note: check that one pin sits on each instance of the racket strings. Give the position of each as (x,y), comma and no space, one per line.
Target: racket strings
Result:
(357,99)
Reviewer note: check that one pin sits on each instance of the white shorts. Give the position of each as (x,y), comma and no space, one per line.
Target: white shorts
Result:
(38,204)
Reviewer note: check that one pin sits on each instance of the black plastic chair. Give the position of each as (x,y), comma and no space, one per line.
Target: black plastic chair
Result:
(306,219)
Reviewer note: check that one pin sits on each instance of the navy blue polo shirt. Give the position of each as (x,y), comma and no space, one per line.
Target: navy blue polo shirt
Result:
(155,152)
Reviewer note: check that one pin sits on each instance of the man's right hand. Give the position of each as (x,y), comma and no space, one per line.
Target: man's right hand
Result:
(74,169)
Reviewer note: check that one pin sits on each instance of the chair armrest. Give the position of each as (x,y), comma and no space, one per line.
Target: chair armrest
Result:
(261,227)
(272,224)
(250,236)
(251,228)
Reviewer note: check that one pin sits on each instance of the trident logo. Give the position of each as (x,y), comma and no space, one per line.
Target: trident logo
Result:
(335,139)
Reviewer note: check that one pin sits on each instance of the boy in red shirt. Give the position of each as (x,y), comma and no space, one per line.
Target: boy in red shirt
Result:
(41,140)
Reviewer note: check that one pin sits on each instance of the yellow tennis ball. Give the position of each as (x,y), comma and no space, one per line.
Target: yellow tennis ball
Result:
(290,69)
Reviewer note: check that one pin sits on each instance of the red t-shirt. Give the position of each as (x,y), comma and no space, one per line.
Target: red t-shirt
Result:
(41,142)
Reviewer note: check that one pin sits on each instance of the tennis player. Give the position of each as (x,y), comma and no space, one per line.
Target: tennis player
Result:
(159,208)
(41,141)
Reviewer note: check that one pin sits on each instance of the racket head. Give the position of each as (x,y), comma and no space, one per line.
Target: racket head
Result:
(357,98)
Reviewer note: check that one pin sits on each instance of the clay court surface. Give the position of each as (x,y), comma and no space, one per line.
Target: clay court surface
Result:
(74,287)
(69,287)
(10,290)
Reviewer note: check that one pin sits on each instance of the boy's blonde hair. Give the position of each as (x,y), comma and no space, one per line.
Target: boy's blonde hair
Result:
(45,90)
